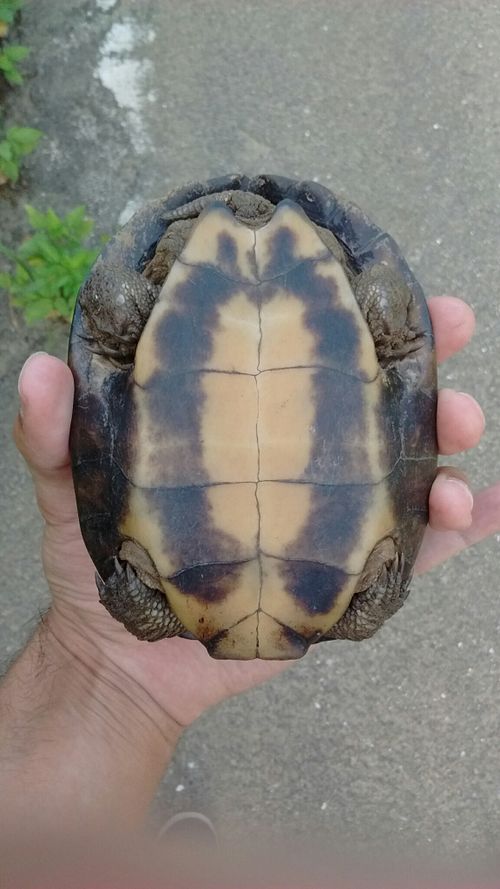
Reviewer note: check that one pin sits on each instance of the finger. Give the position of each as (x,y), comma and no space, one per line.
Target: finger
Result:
(41,433)
(453,322)
(450,501)
(460,421)
(438,546)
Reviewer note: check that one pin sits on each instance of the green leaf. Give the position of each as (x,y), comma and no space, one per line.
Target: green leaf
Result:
(5,280)
(8,9)
(15,52)
(62,306)
(35,218)
(36,311)
(13,77)
(6,151)
(10,169)
(51,264)
(9,57)
(76,216)
(25,138)
(49,252)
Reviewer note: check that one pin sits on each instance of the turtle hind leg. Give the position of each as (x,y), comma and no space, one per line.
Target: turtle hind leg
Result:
(141,609)
(371,607)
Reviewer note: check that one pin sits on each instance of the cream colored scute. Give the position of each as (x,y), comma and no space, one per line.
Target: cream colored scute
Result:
(284,511)
(236,336)
(234,511)
(228,427)
(214,225)
(206,619)
(286,418)
(307,243)
(286,341)
(240,642)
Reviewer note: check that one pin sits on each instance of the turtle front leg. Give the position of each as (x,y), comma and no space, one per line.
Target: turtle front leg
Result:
(391,313)
(116,302)
(141,609)
(371,607)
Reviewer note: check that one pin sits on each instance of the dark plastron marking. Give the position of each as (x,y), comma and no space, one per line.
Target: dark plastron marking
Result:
(283,255)
(184,334)
(340,440)
(228,262)
(205,558)
(338,342)
(174,405)
(333,525)
(211,583)
(314,586)
(189,536)
(183,345)
(227,251)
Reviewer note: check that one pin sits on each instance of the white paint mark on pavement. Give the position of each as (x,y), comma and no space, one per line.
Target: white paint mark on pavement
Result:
(129,210)
(120,71)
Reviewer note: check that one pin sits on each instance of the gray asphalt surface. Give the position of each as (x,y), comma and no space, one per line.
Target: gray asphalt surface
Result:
(397,106)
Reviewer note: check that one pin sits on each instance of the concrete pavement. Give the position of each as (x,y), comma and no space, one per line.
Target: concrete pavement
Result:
(397,106)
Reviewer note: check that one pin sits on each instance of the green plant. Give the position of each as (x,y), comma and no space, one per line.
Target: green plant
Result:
(50,266)
(17,142)
(8,9)
(9,58)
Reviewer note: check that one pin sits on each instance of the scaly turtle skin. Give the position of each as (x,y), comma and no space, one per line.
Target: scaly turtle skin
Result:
(253,439)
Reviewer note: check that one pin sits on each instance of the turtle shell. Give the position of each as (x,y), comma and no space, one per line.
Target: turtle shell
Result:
(270,457)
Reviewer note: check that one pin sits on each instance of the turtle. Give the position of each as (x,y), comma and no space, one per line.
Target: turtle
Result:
(253,438)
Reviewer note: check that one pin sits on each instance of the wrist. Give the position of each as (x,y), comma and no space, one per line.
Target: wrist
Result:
(80,742)
(112,688)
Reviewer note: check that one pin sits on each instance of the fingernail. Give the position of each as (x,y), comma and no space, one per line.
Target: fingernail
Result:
(25,365)
(464,486)
(471,398)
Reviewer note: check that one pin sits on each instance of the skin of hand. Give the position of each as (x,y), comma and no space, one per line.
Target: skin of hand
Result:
(89,716)
(178,674)
(88,712)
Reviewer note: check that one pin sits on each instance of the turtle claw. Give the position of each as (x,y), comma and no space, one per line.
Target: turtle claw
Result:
(144,611)
(370,608)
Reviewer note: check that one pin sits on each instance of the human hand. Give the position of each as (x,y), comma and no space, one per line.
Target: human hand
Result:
(176,674)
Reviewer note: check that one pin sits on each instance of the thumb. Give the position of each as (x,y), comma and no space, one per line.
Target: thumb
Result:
(41,433)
